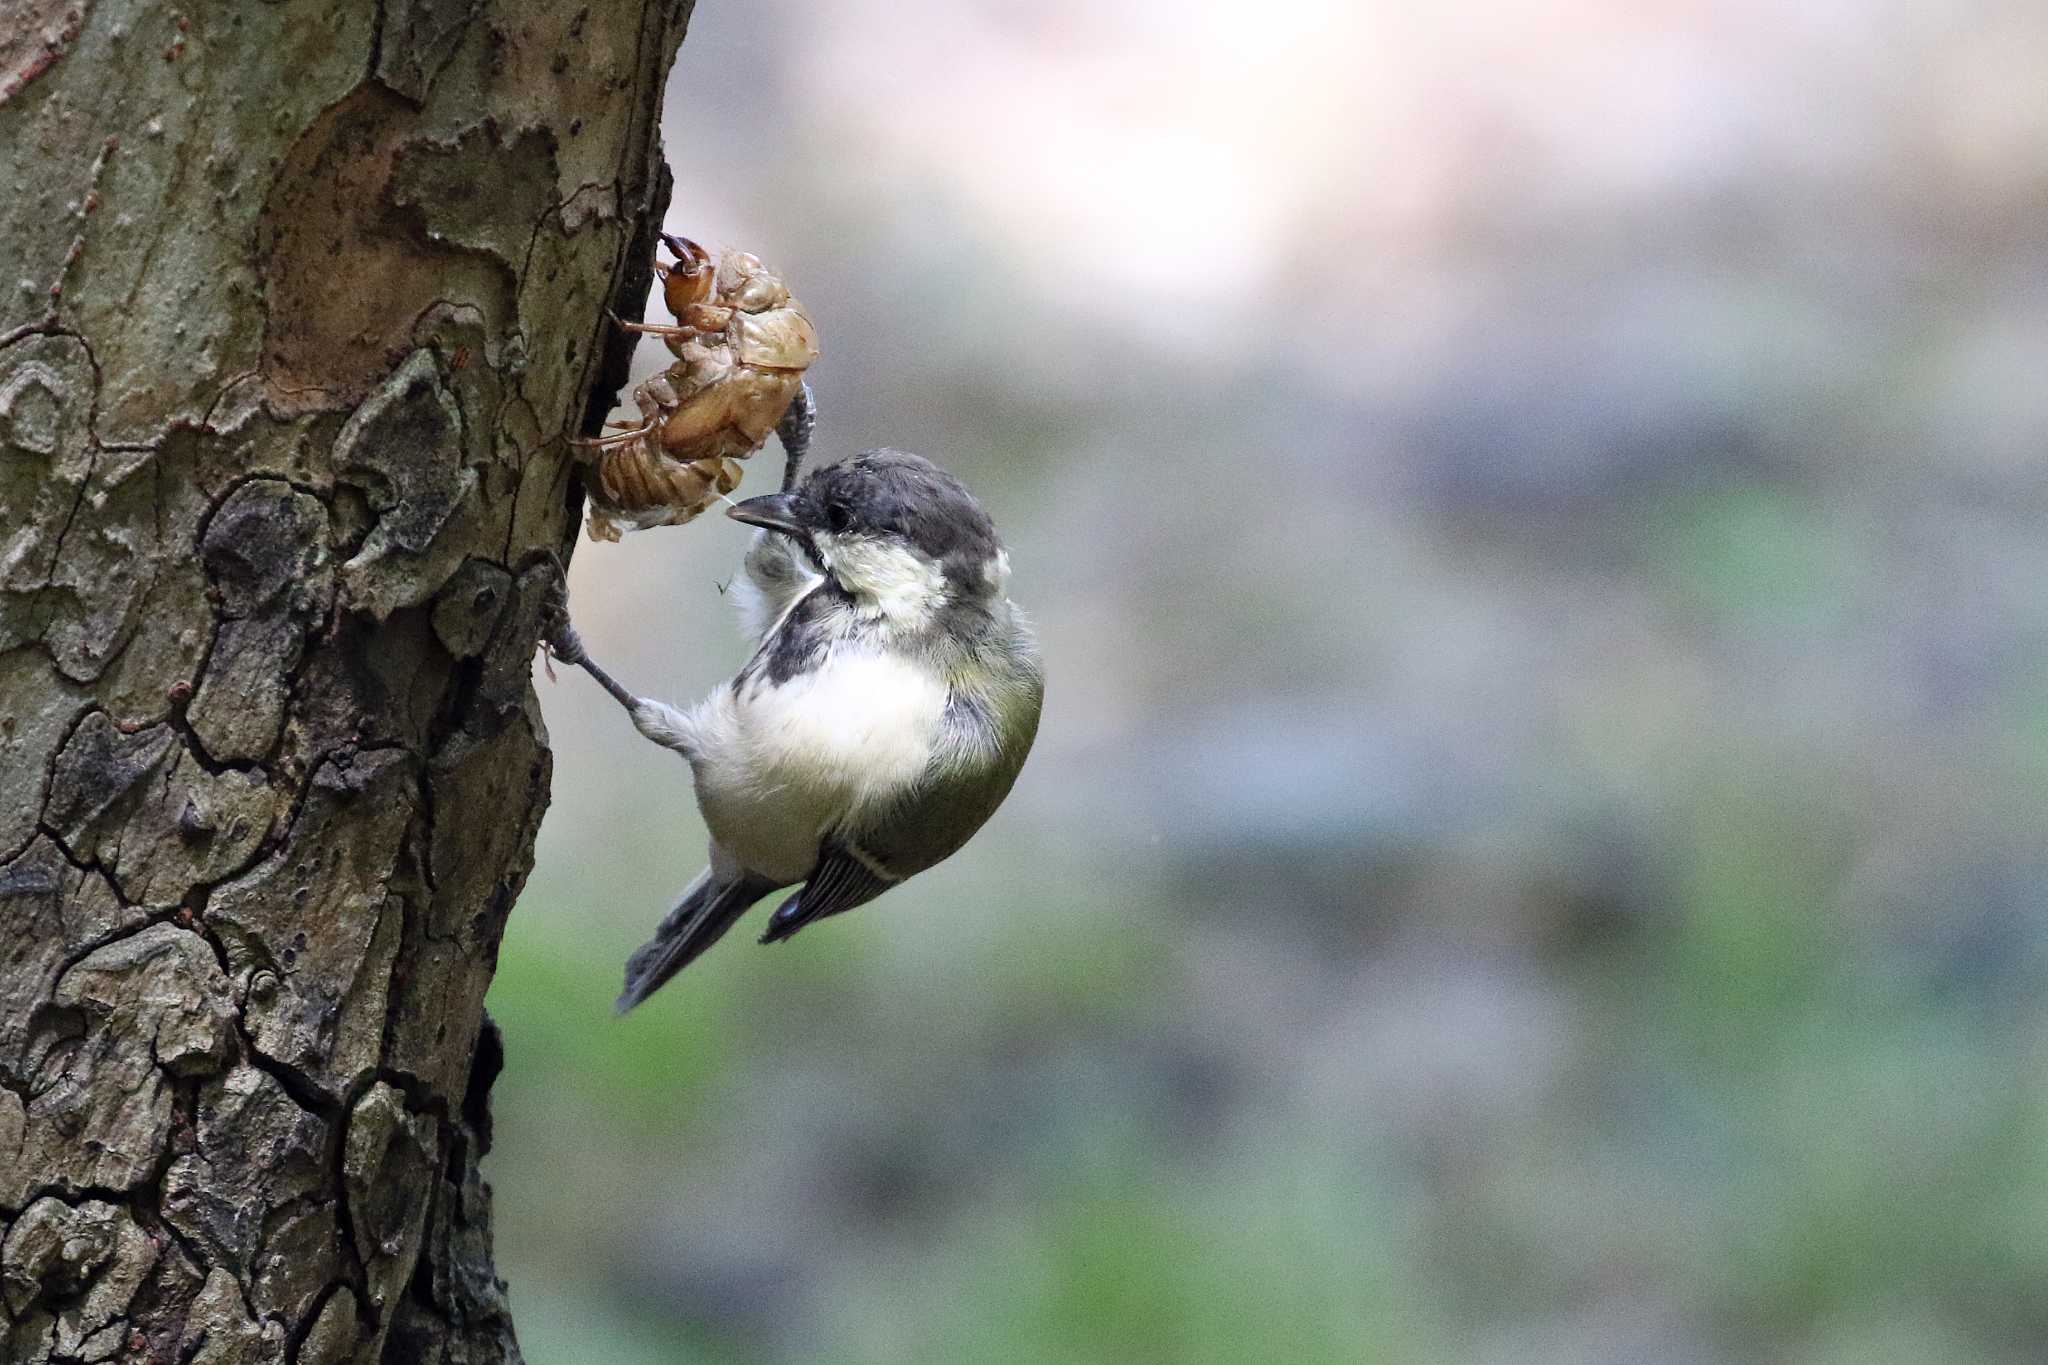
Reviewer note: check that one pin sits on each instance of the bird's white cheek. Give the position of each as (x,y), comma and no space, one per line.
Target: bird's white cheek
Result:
(886,578)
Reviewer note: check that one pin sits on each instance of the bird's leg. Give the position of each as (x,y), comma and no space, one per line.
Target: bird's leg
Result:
(565,644)
(657,721)
(795,432)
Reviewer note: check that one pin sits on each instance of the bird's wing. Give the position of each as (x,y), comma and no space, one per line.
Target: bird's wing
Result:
(844,877)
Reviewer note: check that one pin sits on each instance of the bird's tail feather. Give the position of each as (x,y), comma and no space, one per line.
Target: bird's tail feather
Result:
(699,920)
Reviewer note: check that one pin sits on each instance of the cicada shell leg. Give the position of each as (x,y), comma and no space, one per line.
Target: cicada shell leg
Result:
(633,431)
(656,329)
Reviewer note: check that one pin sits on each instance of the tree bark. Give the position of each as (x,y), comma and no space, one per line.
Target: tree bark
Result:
(300,301)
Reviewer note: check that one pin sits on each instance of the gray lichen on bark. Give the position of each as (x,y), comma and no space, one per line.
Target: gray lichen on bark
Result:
(300,303)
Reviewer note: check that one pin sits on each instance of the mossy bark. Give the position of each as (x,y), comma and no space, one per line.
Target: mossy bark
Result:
(300,303)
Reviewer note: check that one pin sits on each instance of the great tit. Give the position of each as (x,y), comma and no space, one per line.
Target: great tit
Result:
(883,716)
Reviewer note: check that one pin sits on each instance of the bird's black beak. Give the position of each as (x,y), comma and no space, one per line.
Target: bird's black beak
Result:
(774,511)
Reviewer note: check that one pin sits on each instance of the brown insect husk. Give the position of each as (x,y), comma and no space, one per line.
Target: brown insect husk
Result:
(742,344)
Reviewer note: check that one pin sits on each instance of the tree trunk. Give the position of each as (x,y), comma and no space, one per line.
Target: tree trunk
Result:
(299,302)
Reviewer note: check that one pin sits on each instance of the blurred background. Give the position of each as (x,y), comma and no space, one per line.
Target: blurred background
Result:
(1537,518)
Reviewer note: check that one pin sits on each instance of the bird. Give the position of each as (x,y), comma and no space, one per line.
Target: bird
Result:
(887,708)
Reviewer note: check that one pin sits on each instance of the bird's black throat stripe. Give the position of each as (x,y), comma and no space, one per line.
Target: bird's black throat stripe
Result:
(795,646)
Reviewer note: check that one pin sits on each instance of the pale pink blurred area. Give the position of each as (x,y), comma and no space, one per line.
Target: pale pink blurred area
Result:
(1537,517)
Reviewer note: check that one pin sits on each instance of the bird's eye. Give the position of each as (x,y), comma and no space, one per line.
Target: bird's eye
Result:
(838,517)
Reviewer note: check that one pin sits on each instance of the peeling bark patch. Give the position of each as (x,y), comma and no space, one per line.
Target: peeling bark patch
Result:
(51,912)
(492,686)
(467,612)
(161,983)
(124,1022)
(265,551)
(333,1338)
(389,1153)
(240,707)
(37,33)
(408,438)
(266,544)
(78,522)
(418,37)
(456,1312)
(46,456)
(13,1138)
(32,403)
(98,768)
(331,334)
(301,1257)
(220,1330)
(404,449)
(576,255)
(105,566)
(55,1248)
(144,810)
(256,1150)
(465,194)
(90,1257)
(312,931)
(38,708)
(478,866)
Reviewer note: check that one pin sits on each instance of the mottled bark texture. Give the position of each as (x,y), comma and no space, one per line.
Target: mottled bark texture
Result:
(300,301)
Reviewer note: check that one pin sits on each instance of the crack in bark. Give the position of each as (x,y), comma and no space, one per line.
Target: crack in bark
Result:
(227,490)
(49,778)
(228,387)
(42,628)
(376,42)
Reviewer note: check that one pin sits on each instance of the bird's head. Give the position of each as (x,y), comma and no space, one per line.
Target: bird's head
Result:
(898,534)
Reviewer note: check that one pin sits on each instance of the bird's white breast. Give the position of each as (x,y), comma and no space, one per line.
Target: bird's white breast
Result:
(778,765)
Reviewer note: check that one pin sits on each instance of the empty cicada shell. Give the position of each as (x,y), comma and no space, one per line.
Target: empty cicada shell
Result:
(742,344)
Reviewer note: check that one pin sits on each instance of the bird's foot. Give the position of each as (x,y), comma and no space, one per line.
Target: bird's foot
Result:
(559,639)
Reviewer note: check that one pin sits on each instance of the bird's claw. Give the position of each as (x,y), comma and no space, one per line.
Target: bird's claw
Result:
(559,639)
